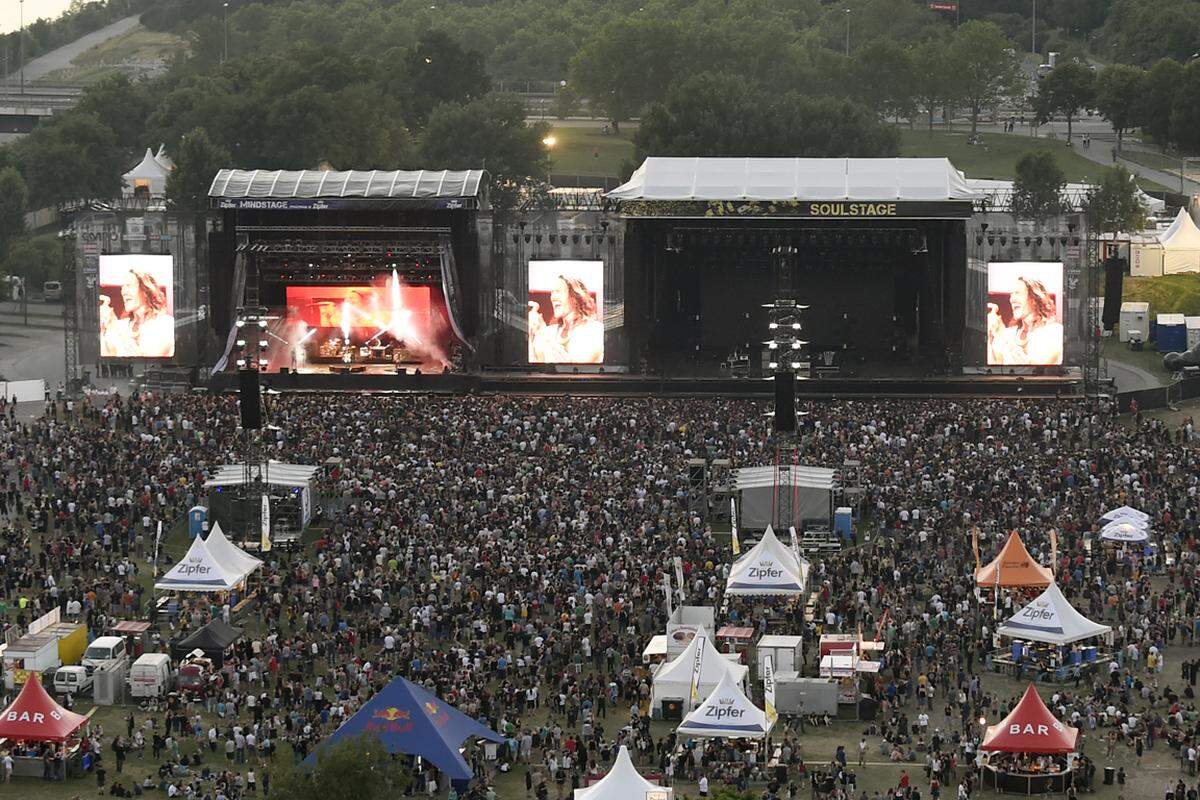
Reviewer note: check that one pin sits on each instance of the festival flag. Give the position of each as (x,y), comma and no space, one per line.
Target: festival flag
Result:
(975,546)
(266,524)
(769,691)
(666,587)
(737,547)
(697,664)
(157,542)
(679,579)
(1053,550)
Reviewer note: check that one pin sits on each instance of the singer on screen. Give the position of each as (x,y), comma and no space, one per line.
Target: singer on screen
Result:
(145,327)
(1034,336)
(576,334)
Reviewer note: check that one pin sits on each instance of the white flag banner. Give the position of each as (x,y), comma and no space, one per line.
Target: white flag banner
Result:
(737,547)
(666,587)
(266,524)
(697,665)
(679,579)
(157,542)
(769,691)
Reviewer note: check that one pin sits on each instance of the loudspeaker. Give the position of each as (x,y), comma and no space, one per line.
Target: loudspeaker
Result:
(249,399)
(785,402)
(1114,279)
(697,469)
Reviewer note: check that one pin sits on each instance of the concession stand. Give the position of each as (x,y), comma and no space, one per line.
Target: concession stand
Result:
(1051,639)
(1029,751)
(41,735)
(1013,568)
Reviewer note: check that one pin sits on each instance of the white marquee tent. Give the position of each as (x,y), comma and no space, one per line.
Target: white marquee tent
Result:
(1124,531)
(229,554)
(624,783)
(674,678)
(726,714)
(1181,245)
(200,571)
(768,568)
(1124,513)
(149,177)
(1052,620)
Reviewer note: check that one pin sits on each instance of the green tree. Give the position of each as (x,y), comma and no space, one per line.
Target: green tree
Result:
(932,83)
(626,65)
(1119,89)
(1113,204)
(36,259)
(1185,113)
(14,202)
(122,106)
(197,161)
(982,67)
(1158,99)
(1067,90)
(489,133)
(885,73)
(1038,186)
(355,769)
(440,70)
(72,157)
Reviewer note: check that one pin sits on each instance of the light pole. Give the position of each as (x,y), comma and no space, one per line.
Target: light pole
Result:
(21,40)
(1033,29)
(847,33)
(225,53)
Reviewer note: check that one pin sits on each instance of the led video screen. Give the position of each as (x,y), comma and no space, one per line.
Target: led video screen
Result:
(387,323)
(566,312)
(137,306)
(1024,314)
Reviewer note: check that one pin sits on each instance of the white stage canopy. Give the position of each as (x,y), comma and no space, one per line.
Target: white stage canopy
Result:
(768,568)
(302,477)
(1124,513)
(624,783)
(674,678)
(1052,620)
(199,571)
(783,179)
(1124,531)
(726,714)
(263,184)
(812,488)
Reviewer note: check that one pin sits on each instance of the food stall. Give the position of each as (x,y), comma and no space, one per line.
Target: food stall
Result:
(34,726)
(136,634)
(1013,568)
(1047,637)
(1029,751)
(785,652)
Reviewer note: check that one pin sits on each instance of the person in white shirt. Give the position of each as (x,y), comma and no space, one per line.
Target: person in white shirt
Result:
(704,786)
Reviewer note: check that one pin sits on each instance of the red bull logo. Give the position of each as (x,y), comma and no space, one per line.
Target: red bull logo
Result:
(436,714)
(390,720)
(391,714)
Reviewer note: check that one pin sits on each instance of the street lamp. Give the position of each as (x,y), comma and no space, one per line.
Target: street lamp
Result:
(21,25)
(1033,28)
(225,55)
(550,141)
(847,33)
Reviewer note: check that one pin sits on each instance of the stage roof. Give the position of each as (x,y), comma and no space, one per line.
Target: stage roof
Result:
(792,179)
(258,184)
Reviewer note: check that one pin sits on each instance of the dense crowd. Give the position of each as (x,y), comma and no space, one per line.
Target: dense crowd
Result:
(508,553)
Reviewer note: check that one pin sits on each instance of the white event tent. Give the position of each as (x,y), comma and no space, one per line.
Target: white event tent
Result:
(1125,513)
(1052,620)
(624,783)
(200,571)
(726,714)
(1181,245)
(230,554)
(768,568)
(674,678)
(1124,531)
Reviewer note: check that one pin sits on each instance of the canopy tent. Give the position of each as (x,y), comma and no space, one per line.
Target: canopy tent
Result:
(768,568)
(1124,513)
(149,177)
(1013,568)
(673,680)
(1052,620)
(407,719)
(200,571)
(35,717)
(309,184)
(229,554)
(726,714)
(624,783)
(1124,531)
(1181,245)
(998,195)
(811,488)
(214,639)
(1030,728)
(783,179)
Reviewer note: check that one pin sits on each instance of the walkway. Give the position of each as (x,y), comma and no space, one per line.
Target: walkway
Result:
(62,57)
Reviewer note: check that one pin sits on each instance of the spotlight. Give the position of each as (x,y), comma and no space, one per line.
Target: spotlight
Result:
(262,362)
(262,323)
(795,326)
(262,343)
(796,344)
(772,326)
(772,345)
(241,362)
(241,322)
(241,342)
(795,365)
(773,365)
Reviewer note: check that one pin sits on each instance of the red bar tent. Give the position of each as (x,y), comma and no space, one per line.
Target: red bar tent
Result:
(35,717)
(1030,728)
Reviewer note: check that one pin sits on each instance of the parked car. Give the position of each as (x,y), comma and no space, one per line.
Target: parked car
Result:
(73,680)
(104,649)
(52,291)
(150,675)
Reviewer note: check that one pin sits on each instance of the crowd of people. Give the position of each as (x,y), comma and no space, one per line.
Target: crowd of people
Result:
(508,554)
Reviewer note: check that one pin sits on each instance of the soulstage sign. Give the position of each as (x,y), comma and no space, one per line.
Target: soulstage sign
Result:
(808,209)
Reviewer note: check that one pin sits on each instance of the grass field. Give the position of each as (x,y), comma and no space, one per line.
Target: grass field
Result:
(136,52)
(589,151)
(1169,294)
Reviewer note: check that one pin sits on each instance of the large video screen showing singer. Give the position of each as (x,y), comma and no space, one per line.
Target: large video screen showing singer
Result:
(137,306)
(1024,314)
(566,312)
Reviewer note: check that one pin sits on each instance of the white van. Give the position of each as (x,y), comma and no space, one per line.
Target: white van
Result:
(150,675)
(73,680)
(104,649)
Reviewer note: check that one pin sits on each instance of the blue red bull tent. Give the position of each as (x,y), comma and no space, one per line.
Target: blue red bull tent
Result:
(407,719)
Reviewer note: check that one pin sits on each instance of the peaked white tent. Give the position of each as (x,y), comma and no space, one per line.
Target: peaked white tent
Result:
(674,678)
(1052,620)
(1181,245)
(726,714)
(624,783)
(1124,531)
(768,568)
(1124,513)
(229,554)
(150,175)
(199,571)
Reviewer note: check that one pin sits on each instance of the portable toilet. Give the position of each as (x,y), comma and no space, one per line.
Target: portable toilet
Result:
(1193,331)
(197,516)
(1172,333)
(1134,317)
(842,523)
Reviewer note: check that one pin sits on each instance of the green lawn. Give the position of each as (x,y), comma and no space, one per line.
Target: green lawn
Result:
(1168,294)
(588,151)
(134,51)
(997,154)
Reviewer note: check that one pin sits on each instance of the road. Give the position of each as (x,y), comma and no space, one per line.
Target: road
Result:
(61,58)
(28,353)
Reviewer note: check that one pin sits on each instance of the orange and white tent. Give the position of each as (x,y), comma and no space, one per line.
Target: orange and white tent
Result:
(1013,568)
